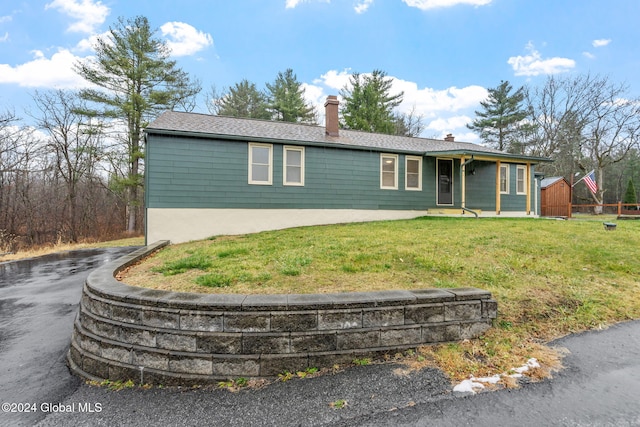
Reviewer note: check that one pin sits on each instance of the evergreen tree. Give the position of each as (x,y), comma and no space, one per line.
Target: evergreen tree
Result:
(502,112)
(286,100)
(630,196)
(136,81)
(242,100)
(368,105)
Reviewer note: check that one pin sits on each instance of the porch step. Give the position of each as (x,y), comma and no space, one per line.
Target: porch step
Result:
(452,211)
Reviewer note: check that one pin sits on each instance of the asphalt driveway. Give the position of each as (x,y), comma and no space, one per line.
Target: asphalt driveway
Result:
(38,302)
(600,384)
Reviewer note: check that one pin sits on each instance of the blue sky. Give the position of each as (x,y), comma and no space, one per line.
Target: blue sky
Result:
(443,54)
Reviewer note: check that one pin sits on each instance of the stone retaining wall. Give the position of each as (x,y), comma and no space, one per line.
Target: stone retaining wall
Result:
(158,337)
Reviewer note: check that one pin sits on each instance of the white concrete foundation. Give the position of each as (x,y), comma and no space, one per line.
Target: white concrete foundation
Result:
(183,225)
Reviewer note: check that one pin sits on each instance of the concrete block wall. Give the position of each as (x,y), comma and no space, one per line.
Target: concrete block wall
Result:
(158,337)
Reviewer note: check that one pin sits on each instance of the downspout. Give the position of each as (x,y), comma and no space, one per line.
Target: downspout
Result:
(470,211)
(146,188)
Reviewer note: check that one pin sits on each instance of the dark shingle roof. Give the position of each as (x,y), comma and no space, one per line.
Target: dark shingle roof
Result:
(172,122)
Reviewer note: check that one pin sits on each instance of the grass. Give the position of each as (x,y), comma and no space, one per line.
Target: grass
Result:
(550,278)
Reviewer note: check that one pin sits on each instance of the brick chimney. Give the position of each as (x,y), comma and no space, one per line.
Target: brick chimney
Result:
(449,137)
(331,115)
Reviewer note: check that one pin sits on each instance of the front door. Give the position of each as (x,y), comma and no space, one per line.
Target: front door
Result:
(445,181)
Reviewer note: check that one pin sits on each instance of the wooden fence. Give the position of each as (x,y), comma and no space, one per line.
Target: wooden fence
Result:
(619,209)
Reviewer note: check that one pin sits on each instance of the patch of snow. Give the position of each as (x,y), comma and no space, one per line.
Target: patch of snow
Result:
(531,363)
(488,380)
(470,385)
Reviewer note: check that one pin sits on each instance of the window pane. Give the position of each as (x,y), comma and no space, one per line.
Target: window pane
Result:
(294,174)
(520,173)
(413,173)
(388,179)
(260,155)
(412,166)
(294,158)
(388,164)
(260,172)
(389,172)
(503,179)
(412,181)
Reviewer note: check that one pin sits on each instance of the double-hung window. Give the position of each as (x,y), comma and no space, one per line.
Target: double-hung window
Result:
(413,173)
(504,179)
(521,174)
(260,163)
(293,166)
(389,171)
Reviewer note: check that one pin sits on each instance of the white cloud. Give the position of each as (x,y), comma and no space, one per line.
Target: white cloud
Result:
(86,45)
(334,79)
(3,19)
(434,4)
(588,55)
(55,72)
(533,64)
(363,6)
(88,14)
(183,39)
(290,4)
(433,102)
(446,124)
(455,125)
(444,110)
(601,42)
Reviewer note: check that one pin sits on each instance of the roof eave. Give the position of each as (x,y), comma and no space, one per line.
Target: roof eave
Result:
(329,144)
(484,155)
(456,153)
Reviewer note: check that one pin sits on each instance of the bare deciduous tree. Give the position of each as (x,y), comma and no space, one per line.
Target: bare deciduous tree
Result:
(583,122)
(73,144)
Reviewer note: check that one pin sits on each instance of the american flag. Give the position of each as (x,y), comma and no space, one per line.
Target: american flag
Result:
(590,180)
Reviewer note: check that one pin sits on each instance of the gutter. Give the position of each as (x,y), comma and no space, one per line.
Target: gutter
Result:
(487,156)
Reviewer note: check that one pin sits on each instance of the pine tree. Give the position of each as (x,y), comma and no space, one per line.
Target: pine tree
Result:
(630,196)
(368,105)
(502,112)
(136,82)
(242,100)
(286,100)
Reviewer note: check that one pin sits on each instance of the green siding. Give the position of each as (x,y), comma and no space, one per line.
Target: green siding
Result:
(481,186)
(516,202)
(187,172)
(200,173)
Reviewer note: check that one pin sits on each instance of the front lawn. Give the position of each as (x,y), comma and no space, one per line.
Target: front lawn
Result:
(549,277)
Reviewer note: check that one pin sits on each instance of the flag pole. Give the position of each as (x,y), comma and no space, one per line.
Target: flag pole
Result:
(584,176)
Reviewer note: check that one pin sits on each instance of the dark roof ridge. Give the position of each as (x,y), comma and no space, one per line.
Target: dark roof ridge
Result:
(199,124)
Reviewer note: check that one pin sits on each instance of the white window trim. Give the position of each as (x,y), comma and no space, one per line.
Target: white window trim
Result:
(524,179)
(270,165)
(406,173)
(507,173)
(285,149)
(395,172)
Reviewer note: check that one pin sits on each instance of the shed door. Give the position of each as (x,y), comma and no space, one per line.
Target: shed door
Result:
(445,182)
